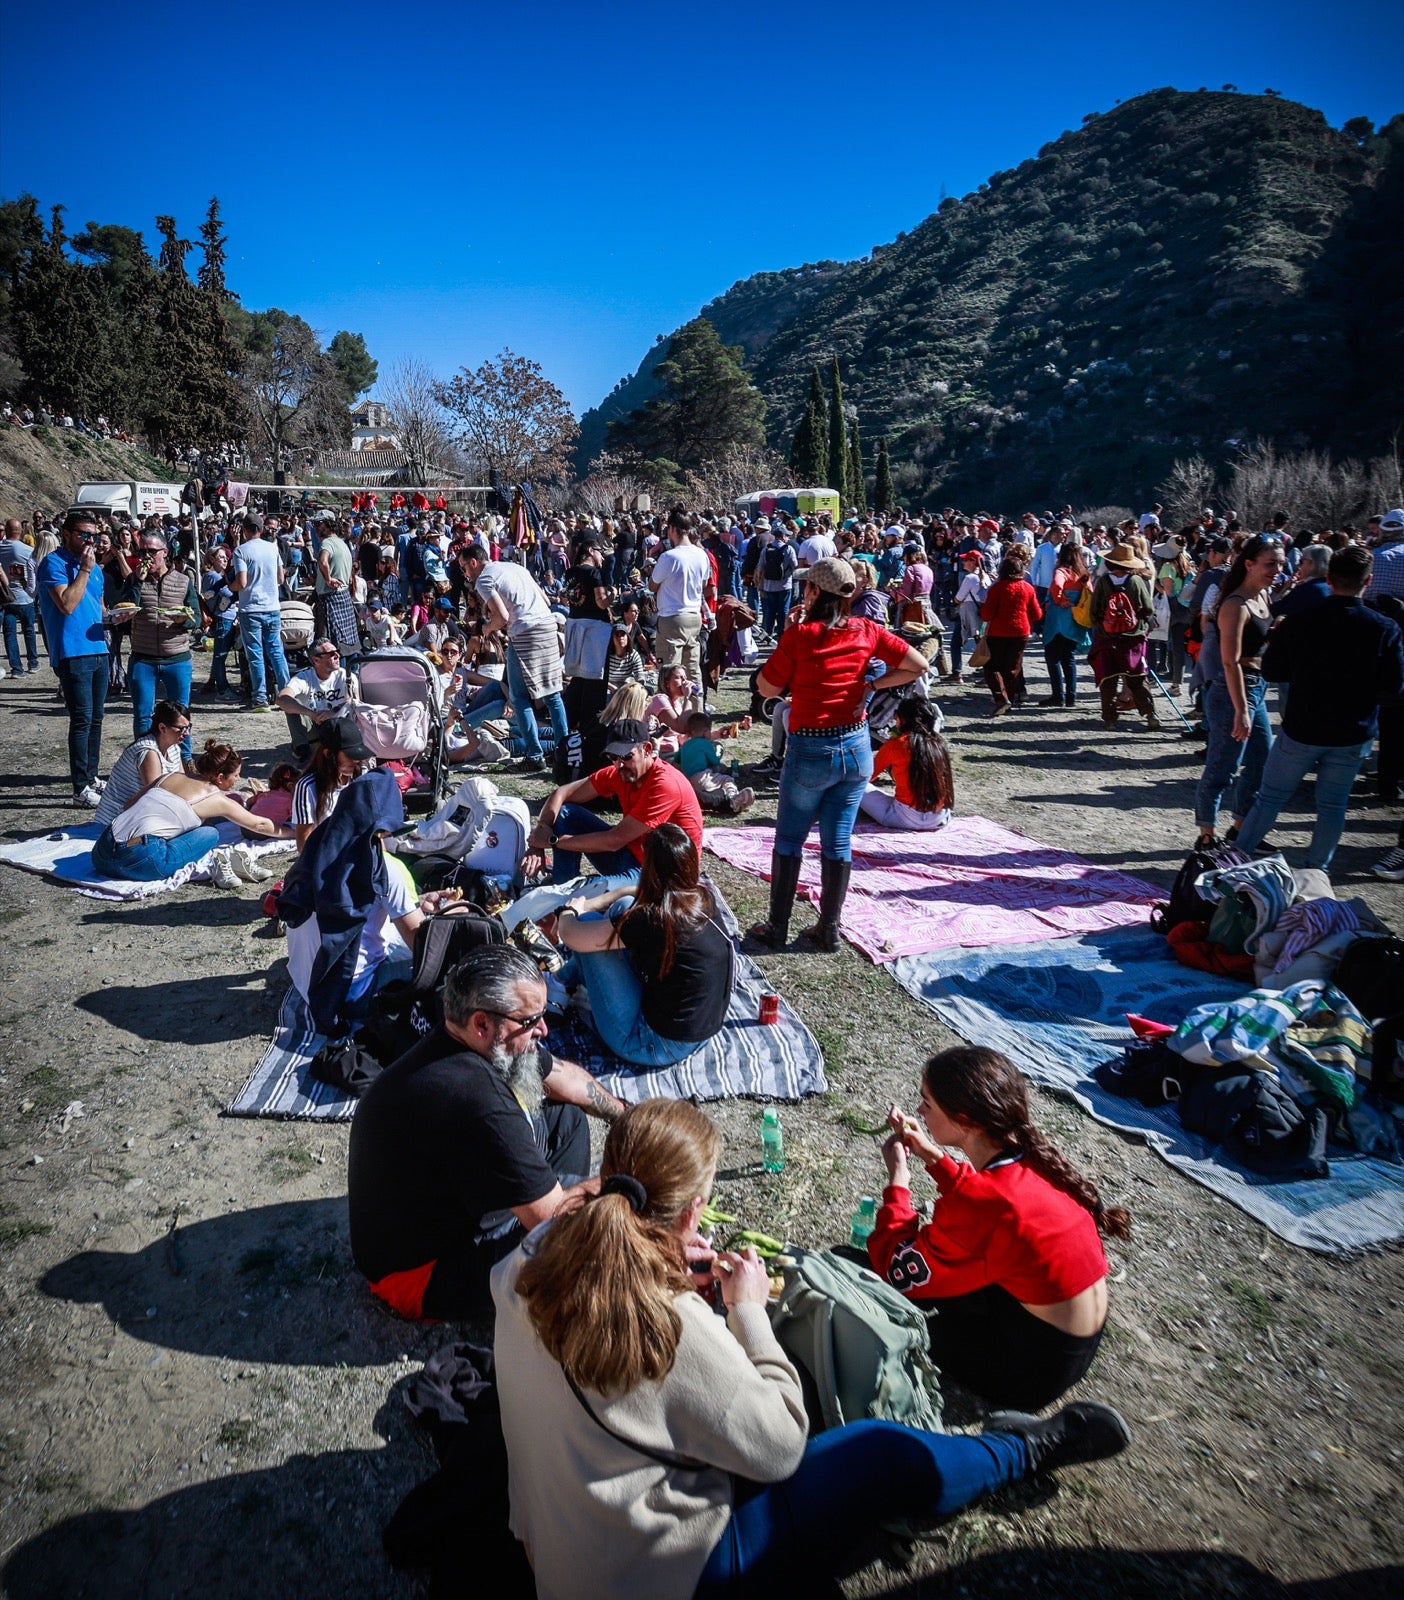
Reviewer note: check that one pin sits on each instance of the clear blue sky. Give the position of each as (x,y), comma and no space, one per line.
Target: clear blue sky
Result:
(572,180)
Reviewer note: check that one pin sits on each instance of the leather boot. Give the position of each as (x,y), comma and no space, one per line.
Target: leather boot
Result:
(824,935)
(784,880)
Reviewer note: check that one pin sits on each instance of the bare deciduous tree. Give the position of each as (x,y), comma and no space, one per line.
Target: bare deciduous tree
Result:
(420,422)
(512,419)
(740,470)
(1315,491)
(1190,487)
(608,480)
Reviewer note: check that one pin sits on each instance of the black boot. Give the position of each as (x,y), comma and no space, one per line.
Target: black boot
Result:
(824,935)
(1083,1431)
(784,880)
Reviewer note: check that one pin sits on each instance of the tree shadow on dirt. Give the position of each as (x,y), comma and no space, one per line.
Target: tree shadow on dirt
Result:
(272,1284)
(309,1527)
(213,1009)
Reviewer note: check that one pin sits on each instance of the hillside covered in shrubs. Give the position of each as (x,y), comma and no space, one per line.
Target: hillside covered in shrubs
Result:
(1181,275)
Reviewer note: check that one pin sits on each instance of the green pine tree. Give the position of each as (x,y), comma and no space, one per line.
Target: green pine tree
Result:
(857,484)
(884,496)
(837,472)
(809,455)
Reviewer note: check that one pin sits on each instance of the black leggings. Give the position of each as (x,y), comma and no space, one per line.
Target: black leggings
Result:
(987,1342)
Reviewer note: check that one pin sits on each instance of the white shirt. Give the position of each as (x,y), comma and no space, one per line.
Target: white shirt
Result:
(518,591)
(815,548)
(332,693)
(681,574)
(379,939)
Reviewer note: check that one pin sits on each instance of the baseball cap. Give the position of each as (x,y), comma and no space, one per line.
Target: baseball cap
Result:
(254,520)
(624,736)
(1392,521)
(345,736)
(832,575)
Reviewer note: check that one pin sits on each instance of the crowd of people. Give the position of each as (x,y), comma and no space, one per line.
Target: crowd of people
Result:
(654,1446)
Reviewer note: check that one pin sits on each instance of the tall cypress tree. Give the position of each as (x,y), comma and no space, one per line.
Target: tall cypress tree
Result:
(838,439)
(884,496)
(857,484)
(809,455)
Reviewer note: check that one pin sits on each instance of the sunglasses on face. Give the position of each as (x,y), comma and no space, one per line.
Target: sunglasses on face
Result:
(523,1023)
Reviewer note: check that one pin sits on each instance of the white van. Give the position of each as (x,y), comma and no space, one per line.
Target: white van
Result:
(132,498)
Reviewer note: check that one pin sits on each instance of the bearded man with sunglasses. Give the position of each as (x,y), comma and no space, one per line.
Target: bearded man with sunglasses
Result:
(71,603)
(468,1142)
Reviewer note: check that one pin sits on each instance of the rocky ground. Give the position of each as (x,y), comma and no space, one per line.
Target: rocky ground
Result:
(42,467)
(199,1396)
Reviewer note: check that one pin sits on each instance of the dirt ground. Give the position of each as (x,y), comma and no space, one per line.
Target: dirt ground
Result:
(198,1396)
(44,466)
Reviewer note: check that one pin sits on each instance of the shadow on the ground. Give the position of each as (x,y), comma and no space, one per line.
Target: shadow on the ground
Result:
(213,1009)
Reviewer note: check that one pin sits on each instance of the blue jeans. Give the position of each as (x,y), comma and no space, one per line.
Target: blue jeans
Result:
(1229,765)
(1288,763)
(149,681)
(567,864)
(157,858)
(222,641)
(484,703)
(825,778)
(616,1000)
(19,617)
(83,680)
(773,609)
(786,1538)
(263,645)
(526,715)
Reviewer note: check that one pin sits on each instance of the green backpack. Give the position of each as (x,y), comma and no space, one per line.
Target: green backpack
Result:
(861,1348)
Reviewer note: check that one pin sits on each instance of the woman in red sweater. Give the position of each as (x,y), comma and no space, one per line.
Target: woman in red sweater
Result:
(1010,610)
(1011,1261)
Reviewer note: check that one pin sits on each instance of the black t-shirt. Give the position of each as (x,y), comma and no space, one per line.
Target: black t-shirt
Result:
(690,1002)
(580,585)
(437,1142)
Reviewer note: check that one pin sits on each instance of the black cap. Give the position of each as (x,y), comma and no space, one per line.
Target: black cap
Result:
(345,736)
(624,736)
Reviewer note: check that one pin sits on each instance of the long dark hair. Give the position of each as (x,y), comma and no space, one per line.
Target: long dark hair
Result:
(670,899)
(1248,551)
(1073,558)
(829,608)
(987,1089)
(325,770)
(929,768)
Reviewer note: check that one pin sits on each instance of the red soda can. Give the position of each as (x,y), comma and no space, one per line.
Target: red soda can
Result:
(770,1008)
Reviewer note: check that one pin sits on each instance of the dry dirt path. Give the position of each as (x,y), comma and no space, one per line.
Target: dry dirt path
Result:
(197,1395)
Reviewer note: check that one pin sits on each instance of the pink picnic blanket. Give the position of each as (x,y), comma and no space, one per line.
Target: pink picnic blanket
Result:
(969,883)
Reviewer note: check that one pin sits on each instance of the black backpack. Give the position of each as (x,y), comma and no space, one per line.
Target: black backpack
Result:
(1259,1124)
(347,1065)
(403,1013)
(775,561)
(1186,905)
(1370,974)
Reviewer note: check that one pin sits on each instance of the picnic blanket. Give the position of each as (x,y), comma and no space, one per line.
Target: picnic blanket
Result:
(969,883)
(67,856)
(1059,1009)
(746,1060)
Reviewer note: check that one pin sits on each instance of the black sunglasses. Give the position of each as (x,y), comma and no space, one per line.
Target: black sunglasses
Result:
(506,1016)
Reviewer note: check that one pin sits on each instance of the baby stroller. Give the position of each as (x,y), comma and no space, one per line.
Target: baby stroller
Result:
(297,628)
(401,712)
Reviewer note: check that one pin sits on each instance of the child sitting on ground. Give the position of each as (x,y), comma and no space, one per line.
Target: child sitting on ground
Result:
(275,802)
(700,760)
(380,628)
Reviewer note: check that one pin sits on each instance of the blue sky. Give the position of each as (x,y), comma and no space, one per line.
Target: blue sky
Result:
(572,180)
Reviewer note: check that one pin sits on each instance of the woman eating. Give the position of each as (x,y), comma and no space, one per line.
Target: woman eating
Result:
(920,764)
(655,1450)
(1011,1260)
(660,976)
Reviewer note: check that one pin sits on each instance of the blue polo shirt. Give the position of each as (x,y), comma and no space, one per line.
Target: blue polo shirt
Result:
(79,632)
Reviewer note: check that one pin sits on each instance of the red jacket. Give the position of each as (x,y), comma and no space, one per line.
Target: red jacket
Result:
(1011,608)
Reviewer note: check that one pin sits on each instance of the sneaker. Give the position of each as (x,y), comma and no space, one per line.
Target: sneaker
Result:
(527,764)
(100,784)
(1001,709)
(742,800)
(1083,1431)
(222,873)
(490,747)
(247,867)
(91,797)
(1152,722)
(771,767)
(5,672)
(529,938)
(1392,867)
(260,705)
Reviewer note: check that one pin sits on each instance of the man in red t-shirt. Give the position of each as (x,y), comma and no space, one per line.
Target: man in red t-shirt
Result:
(649,792)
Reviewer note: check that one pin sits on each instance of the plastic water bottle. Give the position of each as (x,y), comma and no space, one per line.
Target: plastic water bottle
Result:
(772,1141)
(864,1220)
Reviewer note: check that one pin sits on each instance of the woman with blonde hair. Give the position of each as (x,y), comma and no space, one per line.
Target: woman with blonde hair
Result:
(657,1451)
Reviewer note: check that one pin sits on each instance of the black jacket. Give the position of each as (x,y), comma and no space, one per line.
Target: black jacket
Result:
(1341,659)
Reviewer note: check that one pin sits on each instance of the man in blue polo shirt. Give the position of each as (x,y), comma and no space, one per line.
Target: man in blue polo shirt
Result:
(70,600)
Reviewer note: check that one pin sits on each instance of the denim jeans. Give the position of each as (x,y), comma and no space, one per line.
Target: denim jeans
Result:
(822,778)
(566,864)
(17,618)
(786,1538)
(616,1001)
(1060,652)
(1229,765)
(149,681)
(221,641)
(1288,763)
(525,713)
(263,645)
(486,701)
(83,680)
(774,605)
(156,859)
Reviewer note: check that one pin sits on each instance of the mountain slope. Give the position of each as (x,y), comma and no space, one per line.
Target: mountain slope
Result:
(1186,270)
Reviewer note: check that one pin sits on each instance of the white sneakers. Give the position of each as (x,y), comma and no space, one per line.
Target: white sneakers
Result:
(222,873)
(247,865)
(742,800)
(91,797)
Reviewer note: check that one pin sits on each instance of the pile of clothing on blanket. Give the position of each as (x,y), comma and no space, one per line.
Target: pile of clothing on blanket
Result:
(1311,1056)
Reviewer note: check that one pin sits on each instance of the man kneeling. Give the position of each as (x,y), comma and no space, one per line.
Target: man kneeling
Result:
(466,1141)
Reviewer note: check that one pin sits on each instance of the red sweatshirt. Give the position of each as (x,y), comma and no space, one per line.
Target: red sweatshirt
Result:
(1005,1225)
(1011,608)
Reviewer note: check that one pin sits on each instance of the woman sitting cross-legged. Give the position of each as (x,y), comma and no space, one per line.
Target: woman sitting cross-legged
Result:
(1011,1261)
(920,764)
(659,967)
(172,823)
(655,1450)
